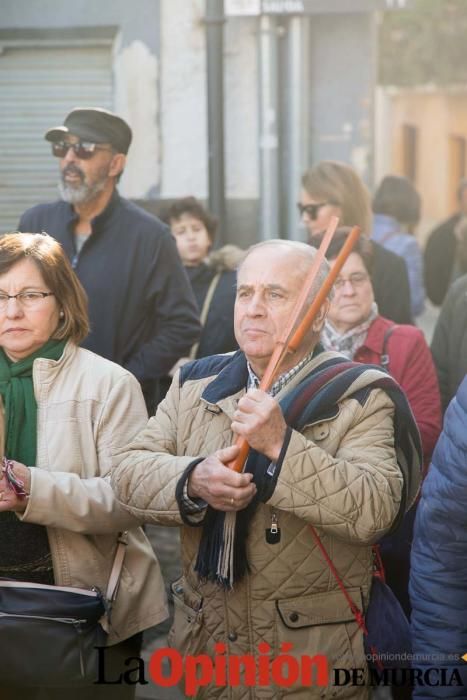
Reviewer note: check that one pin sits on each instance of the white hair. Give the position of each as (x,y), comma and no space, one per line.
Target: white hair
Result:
(304,252)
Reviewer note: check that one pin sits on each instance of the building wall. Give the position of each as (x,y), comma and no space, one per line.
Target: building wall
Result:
(159,86)
(135,69)
(341,89)
(437,116)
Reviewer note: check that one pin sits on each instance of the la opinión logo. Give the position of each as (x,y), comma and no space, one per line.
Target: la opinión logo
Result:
(222,670)
(168,667)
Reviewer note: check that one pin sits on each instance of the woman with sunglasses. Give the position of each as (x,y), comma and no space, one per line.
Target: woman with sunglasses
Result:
(334,189)
(355,328)
(66,410)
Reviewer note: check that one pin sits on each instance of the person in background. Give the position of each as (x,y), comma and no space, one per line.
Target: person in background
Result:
(66,410)
(142,311)
(333,188)
(441,265)
(439,558)
(355,328)
(396,208)
(212,274)
(449,342)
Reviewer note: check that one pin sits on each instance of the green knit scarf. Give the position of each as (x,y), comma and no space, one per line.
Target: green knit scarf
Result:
(17,392)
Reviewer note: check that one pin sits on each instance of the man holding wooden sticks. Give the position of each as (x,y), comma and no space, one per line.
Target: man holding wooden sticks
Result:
(324,453)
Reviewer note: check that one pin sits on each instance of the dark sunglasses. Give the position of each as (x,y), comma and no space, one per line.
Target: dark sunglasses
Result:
(311,210)
(82,149)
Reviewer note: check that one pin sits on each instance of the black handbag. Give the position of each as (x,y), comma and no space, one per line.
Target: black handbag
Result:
(49,634)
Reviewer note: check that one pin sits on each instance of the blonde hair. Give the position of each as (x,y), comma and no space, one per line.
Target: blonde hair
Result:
(338,183)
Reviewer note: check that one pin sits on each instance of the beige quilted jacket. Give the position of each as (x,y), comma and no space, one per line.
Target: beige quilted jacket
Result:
(341,475)
(86,406)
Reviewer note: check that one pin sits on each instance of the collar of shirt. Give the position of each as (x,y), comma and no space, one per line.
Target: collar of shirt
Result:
(284,379)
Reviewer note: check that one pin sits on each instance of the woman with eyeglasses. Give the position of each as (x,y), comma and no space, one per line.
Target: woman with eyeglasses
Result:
(355,328)
(66,410)
(331,188)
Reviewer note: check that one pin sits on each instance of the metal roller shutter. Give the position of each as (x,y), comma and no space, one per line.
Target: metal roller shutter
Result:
(38,87)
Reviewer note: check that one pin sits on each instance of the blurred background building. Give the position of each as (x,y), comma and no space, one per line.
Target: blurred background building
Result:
(229,100)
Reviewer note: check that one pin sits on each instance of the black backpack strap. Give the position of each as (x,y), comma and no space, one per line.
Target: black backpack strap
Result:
(384,358)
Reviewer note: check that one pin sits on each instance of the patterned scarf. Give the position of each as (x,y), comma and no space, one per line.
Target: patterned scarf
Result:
(347,343)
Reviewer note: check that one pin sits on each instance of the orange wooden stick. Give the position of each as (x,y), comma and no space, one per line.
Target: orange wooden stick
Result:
(281,346)
(284,344)
(324,290)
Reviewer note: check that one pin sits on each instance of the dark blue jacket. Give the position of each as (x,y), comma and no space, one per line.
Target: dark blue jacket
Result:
(438,580)
(142,310)
(217,336)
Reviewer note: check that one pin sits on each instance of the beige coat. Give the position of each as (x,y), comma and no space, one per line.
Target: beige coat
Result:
(86,406)
(340,475)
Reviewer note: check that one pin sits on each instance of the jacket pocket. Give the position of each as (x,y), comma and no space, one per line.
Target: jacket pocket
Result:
(322,624)
(318,431)
(187,633)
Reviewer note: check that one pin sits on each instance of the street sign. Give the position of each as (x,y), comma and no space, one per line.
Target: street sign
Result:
(242,8)
(254,8)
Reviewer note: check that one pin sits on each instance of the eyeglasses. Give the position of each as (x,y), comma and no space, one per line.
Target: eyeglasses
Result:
(311,210)
(82,149)
(27,299)
(356,279)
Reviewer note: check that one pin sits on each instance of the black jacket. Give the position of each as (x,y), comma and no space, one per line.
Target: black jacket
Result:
(217,336)
(439,259)
(449,344)
(142,310)
(391,285)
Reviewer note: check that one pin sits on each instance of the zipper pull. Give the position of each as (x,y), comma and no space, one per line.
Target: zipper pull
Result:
(273,533)
(77,626)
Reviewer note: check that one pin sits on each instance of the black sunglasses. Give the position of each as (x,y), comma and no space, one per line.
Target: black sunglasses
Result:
(82,149)
(311,210)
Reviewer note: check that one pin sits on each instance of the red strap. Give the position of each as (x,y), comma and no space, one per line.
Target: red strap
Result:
(357,613)
(379,569)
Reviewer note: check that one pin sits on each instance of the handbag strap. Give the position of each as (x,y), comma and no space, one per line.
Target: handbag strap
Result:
(205,310)
(357,613)
(114,578)
(384,357)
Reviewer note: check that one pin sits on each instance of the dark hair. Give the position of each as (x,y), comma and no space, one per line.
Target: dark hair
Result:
(58,275)
(193,207)
(363,246)
(397,197)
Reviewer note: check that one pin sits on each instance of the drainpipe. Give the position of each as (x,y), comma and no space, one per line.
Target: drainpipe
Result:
(296,133)
(268,129)
(215,19)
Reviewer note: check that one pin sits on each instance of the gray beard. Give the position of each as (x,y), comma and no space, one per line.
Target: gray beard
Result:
(81,194)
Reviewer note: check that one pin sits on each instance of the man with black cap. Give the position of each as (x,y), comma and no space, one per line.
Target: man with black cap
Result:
(142,311)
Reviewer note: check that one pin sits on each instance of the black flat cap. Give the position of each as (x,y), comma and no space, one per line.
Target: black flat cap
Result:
(95,125)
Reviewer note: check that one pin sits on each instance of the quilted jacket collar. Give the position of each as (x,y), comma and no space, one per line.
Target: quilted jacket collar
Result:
(233,378)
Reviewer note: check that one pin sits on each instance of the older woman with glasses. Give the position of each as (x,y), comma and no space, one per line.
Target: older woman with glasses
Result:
(66,410)
(355,328)
(331,188)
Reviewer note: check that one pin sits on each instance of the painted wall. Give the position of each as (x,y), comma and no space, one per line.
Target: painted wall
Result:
(342,56)
(437,116)
(135,69)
